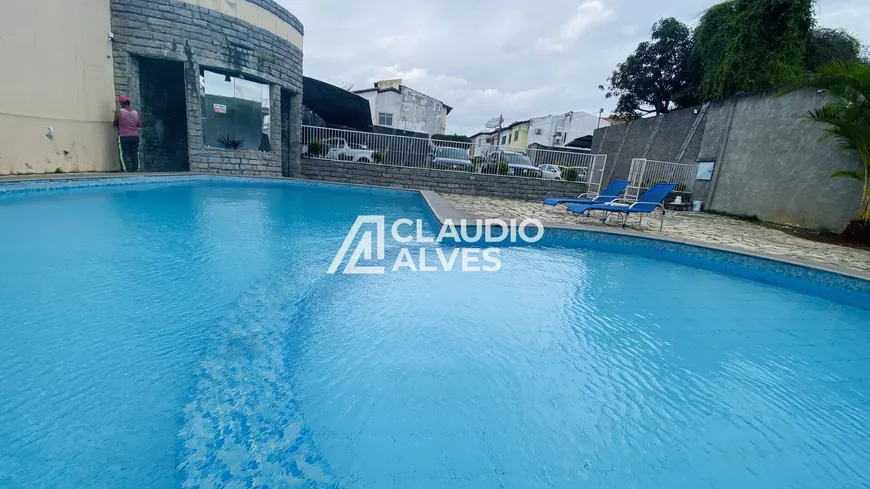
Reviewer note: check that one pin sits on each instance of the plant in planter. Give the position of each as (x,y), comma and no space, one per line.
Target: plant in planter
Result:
(230,143)
(317,148)
(502,168)
(378,157)
(570,174)
(847,119)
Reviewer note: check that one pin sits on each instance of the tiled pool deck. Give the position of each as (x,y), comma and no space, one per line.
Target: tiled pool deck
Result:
(700,228)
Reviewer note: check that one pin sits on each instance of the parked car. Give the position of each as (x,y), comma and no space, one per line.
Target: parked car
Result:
(340,149)
(444,158)
(551,172)
(519,165)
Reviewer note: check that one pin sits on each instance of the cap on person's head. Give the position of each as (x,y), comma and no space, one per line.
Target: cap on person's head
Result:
(123,99)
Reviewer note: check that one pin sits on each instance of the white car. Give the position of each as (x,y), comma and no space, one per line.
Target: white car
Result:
(551,172)
(340,149)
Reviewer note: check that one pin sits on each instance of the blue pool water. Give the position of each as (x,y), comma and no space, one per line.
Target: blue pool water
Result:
(187,335)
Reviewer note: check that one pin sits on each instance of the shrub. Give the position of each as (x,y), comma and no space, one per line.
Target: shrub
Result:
(230,143)
(317,147)
(378,156)
(502,168)
(570,174)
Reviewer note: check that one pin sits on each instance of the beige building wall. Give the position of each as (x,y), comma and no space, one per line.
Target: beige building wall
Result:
(254,15)
(57,71)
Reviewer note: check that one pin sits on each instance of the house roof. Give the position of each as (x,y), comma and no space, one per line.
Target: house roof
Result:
(336,105)
(517,123)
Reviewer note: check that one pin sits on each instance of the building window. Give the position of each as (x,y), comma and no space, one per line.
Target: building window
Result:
(235,112)
(488,140)
(385,119)
(517,135)
(503,139)
(509,138)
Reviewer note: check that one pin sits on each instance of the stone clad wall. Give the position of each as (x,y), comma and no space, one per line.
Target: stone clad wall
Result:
(200,37)
(450,182)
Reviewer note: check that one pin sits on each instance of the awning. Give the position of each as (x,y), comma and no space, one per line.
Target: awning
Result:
(336,106)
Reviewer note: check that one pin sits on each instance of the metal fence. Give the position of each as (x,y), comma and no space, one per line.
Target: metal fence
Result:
(387,149)
(645,173)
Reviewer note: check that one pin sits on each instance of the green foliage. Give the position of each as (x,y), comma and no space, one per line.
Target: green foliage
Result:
(378,156)
(658,76)
(230,143)
(58,170)
(502,168)
(451,137)
(846,117)
(831,44)
(752,45)
(317,148)
(570,174)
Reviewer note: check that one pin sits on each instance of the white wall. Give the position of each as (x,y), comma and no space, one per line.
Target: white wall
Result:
(57,71)
(420,112)
(372,97)
(411,110)
(574,125)
(389,102)
(481,147)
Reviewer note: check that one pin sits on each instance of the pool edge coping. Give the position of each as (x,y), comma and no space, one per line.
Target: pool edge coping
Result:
(443,210)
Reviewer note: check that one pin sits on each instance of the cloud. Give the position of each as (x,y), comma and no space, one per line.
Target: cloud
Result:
(851,15)
(589,14)
(488,57)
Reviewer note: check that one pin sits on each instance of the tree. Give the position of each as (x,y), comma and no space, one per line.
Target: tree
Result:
(752,45)
(452,137)
(830,44)
(658,76)
(847,119)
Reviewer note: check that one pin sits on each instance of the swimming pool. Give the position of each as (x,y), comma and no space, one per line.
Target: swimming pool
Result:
(185,334)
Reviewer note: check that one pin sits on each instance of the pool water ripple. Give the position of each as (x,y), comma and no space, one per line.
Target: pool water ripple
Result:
(187,336)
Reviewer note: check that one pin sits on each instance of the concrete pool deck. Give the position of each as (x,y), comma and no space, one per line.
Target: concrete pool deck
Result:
(700,229)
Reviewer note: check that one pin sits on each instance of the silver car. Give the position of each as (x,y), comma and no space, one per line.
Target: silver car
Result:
(551,172)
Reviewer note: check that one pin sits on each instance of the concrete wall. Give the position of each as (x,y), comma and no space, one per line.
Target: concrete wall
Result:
(770,162)
(451,182)
(57,71)
(775,167)
(421,113)
(204,34)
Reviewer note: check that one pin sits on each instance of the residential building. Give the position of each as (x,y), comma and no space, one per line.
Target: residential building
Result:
(552,131)
(560,129)
(482,143)
(397,106)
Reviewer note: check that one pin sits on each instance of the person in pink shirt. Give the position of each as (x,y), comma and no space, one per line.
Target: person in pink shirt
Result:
(128,122)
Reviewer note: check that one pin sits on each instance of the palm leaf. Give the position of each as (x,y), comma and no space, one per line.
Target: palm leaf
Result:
(848,174)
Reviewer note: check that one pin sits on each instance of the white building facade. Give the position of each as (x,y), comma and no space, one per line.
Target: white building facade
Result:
(560,129)
(396,106)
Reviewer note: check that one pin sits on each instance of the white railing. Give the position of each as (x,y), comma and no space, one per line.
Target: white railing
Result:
(388,149)
(645,173)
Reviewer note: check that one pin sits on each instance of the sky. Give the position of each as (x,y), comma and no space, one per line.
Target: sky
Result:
(519,58)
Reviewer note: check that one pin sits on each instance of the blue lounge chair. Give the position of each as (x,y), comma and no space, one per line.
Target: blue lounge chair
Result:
(608,195)
(647,204)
